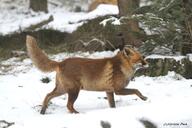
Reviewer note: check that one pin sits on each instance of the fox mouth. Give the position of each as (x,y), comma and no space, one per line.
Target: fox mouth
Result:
(141,66)
(138,66)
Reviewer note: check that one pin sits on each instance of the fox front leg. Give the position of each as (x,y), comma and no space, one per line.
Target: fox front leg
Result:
(131,92)
(110,98)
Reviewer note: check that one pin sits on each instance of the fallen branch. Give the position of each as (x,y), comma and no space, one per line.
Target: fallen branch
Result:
(40,24)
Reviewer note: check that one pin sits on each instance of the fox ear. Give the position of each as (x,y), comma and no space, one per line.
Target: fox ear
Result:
(126,51)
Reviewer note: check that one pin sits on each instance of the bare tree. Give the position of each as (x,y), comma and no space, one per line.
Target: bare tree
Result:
(129,28)
(187,45)
(38,5)
(127,7)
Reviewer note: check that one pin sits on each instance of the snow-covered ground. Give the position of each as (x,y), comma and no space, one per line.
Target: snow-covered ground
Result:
(22,92)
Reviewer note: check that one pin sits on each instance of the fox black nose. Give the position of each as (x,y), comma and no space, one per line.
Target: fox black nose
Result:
(144,62)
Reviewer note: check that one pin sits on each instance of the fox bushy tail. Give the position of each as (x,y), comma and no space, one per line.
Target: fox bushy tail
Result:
(38,57)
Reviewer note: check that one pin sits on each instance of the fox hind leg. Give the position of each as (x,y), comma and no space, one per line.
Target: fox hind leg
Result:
(72,96)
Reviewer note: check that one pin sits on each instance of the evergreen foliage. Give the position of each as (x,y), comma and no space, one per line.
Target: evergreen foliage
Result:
(165,24)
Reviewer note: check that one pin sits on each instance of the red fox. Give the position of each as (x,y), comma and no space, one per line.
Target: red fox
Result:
(95,3)
(74,74)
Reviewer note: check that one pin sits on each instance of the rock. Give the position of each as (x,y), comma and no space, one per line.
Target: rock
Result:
(45,80)
(105,124)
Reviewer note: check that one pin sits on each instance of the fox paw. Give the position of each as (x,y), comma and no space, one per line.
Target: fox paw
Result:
(144,98)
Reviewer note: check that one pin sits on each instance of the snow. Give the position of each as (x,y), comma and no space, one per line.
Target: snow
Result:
(20,17)
(155,56)
(190,57)
(22,93)
(113,20)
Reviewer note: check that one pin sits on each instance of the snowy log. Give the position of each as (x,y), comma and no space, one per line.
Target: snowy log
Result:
(160,66)
(39,24)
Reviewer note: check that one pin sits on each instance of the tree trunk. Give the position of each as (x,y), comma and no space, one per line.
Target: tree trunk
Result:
(187,45)
(127,7)
(130,28)
(38,5)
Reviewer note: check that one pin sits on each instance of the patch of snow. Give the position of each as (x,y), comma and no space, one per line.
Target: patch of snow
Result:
(189,56)
(113,20)
(154,56)
(102,10)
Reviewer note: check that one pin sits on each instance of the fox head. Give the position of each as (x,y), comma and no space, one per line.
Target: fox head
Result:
(134,56)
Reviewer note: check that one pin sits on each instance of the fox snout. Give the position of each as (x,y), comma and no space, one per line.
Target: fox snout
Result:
(141,65)
(144,62)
